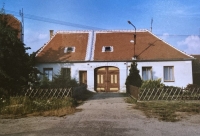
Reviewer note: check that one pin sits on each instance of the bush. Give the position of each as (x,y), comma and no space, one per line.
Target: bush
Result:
(192,86)
(59,81)
(4,97)
(152,84)
(133,78)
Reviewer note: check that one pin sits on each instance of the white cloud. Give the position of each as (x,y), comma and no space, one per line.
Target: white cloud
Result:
(192,44)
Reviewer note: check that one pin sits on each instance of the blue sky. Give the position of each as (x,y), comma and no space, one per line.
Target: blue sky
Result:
(175,21)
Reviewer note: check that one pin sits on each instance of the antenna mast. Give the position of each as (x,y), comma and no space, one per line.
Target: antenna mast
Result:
(22,24)
(2,9)
(151,23)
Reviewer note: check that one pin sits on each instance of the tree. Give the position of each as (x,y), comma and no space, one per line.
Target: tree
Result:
(196,66)
(14,61)
(134,76)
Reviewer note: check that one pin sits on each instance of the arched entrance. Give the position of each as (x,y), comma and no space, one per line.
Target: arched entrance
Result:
(107,79)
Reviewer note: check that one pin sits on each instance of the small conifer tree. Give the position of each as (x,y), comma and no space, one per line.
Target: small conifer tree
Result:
(134,76)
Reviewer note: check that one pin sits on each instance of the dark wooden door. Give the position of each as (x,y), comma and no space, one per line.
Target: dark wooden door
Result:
(107,79)
(83,77)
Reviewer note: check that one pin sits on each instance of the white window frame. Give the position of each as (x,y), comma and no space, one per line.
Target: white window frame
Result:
(168,73)
(147,73)
(69,49)
(48,72)
(104,48)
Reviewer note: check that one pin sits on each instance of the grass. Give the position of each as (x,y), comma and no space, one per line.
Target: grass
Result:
(17,107)
(169,111)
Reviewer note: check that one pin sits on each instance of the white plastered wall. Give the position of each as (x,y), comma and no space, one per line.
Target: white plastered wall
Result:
(89,67)
(182,71)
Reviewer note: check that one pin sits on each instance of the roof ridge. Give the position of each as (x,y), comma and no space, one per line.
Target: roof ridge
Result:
(122,30)
(87,31)
(74,31)
(170,45)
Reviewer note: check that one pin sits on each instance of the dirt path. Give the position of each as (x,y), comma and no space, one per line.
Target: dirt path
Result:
(105,114)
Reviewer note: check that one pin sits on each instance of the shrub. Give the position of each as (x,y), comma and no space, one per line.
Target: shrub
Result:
(4,97)
(134,76)
(59,81)
(192,86)
(152,84)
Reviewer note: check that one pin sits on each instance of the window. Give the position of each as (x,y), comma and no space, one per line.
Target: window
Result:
(147,73)
(107,49)
(69,49)
(48,72)
(66,72)
(168,73)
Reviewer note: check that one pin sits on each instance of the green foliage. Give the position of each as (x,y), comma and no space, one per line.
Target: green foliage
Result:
(63,81)
(59,81)
(45,83)
(171,87)
(14,61)
(134,77)
(152,84)
(192,86)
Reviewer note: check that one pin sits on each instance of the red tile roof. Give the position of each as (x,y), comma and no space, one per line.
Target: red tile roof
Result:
(147,47)
(54,50)
(13,22)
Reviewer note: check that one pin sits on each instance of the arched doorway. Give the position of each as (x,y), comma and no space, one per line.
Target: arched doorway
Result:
(107,79)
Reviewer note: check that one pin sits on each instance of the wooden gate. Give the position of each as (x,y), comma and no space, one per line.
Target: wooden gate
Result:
(107,79)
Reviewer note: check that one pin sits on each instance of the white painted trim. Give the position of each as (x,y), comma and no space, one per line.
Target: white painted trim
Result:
(89,46)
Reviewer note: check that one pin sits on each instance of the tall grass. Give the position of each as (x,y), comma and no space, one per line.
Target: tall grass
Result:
(25,105)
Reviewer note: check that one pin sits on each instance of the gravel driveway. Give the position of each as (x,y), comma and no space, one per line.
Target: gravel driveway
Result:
(105,114)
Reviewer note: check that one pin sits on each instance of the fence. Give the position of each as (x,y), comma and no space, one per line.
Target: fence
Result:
(166,94)
(55,93)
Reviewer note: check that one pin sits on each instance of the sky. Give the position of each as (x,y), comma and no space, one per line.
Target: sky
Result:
(175,21)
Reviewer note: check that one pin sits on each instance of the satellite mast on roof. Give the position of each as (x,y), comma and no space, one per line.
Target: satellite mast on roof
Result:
(22,24)
(151,23)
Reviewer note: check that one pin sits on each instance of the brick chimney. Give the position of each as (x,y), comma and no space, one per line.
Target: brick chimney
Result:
(51,33)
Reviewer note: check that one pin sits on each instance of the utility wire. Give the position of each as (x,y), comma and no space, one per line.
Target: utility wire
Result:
(54,21)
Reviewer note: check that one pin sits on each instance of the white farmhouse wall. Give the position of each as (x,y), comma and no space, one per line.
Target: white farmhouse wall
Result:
(89,67)
(182,71)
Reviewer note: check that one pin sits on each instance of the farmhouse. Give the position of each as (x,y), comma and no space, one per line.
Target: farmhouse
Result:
(102,59)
